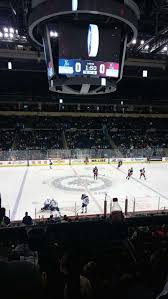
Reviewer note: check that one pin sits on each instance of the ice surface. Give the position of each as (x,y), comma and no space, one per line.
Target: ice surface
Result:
(25,188)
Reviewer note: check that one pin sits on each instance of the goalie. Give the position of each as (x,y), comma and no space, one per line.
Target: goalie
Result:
(51,205)
(46,205)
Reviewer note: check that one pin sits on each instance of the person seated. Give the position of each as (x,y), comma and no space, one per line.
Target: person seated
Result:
(27,220)
(65,218)
(51,219)
(4,220)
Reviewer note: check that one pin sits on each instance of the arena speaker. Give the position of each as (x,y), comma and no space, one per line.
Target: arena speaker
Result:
(84,42)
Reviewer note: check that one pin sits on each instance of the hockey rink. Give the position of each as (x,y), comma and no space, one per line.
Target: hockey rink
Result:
(26,188)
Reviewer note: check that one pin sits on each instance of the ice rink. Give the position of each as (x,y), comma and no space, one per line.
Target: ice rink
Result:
(25,188)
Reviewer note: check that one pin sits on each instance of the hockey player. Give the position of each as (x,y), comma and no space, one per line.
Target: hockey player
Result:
(142,173)
(50,163)
(53,205)
(46,205)
(85,202)
(130,173)
(95,172)
(119,164)
(131,170)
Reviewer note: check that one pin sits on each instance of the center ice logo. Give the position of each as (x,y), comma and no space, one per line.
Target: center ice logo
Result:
(72,183)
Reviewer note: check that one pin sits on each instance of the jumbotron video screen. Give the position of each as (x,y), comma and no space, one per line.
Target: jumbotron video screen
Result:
(88,50)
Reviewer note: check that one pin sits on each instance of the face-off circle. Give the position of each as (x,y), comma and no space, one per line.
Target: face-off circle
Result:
(79,184)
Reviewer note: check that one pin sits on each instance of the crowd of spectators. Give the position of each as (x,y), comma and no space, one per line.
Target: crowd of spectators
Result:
(125,134)
(132,134)
(39,139)
(92,139)
(130,266)
(7,138)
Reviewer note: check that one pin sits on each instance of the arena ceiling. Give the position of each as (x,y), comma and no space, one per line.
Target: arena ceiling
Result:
(28,75)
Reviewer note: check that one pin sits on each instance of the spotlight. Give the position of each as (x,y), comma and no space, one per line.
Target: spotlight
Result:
(55,34)
(1,34)
(142,42)
(16,31)
(134,42)
(165,49)
(61,101)
(5,29)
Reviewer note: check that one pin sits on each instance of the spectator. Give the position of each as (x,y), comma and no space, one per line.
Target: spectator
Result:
(69,266)
(65,218)
(20,280)
(4,220)
(51,219)
(27,220)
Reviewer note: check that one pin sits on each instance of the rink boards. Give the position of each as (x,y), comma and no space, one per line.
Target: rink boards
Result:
(60,162)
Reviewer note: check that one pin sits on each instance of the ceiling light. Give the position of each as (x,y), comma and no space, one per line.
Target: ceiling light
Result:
(145,74)
(165,49)
(134,41)
(20,46)
(53,34)
(103,81)
(146,47)
(11,35)
(11,30)
(6,35)
(142,42)
(1,34)
(6,29)
(9,65)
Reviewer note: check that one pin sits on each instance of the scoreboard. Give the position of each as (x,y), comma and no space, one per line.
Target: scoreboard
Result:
(88,50)
(74,67)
